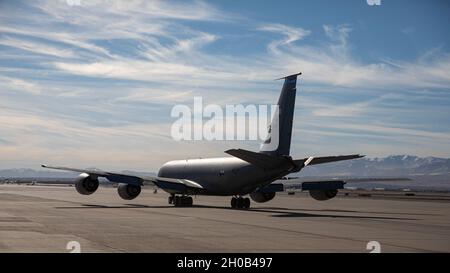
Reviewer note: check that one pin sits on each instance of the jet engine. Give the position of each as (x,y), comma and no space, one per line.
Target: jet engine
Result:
(86,184)
(323,195)
(128,191)
(261,197)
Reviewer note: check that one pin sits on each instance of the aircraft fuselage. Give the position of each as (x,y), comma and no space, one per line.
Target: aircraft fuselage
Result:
(223,175)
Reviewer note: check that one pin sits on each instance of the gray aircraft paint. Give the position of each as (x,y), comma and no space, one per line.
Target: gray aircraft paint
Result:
(233,176)
(222,175)
(244,173)
(281,125)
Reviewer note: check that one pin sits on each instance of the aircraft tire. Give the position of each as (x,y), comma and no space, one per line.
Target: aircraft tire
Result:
(233,202)
(182,201)
(187,201)
(246,203)
(178,201)
(240,203)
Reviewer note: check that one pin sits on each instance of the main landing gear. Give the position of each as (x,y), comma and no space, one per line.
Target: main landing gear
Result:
(240,202)
(181,200)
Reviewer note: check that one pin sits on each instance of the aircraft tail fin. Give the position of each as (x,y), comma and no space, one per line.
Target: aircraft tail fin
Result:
(278,141)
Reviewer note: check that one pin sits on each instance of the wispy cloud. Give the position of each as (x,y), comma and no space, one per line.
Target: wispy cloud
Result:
(106,74)
(35,47)
(19,85)
(289,34)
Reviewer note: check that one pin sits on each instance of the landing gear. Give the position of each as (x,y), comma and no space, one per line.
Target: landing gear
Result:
(240,203)
(181,201)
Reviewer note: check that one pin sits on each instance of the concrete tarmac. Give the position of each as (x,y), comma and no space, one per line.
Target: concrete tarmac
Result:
(46,218)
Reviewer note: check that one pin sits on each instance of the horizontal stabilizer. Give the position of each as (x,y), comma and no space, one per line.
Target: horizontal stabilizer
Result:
(263,161)
(325,159)
(293,75)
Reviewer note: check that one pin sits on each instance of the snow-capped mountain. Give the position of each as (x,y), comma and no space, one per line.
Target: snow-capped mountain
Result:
(394,165)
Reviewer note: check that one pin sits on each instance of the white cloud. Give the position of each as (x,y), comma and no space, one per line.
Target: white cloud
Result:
(333,63)
(196,10)
(105,59)
(19,85)
(35,47)
(338,33)
(291,35)
(352,109)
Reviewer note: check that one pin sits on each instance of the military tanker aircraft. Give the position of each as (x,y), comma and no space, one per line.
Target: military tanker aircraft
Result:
(256,174)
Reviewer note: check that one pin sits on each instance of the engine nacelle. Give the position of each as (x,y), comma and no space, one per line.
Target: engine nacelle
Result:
(86,184)
(261,197)
(323,195)
(128,191)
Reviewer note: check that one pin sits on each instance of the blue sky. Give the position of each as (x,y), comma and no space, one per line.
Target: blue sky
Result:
(94,84)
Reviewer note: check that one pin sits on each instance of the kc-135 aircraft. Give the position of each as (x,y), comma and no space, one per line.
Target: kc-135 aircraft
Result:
(245,173)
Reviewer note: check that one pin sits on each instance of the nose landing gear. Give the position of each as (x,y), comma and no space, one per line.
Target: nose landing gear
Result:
(181,201)
(240,202)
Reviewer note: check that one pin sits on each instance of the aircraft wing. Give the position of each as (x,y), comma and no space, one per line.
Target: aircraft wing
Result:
(329,184)
(111,176)
(95,172)
(172,184)
(376,179)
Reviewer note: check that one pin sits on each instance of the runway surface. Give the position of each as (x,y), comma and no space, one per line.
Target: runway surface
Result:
(46,218)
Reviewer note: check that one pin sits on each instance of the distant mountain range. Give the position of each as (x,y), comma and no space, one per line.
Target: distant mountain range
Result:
(395,165)
(427,172)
